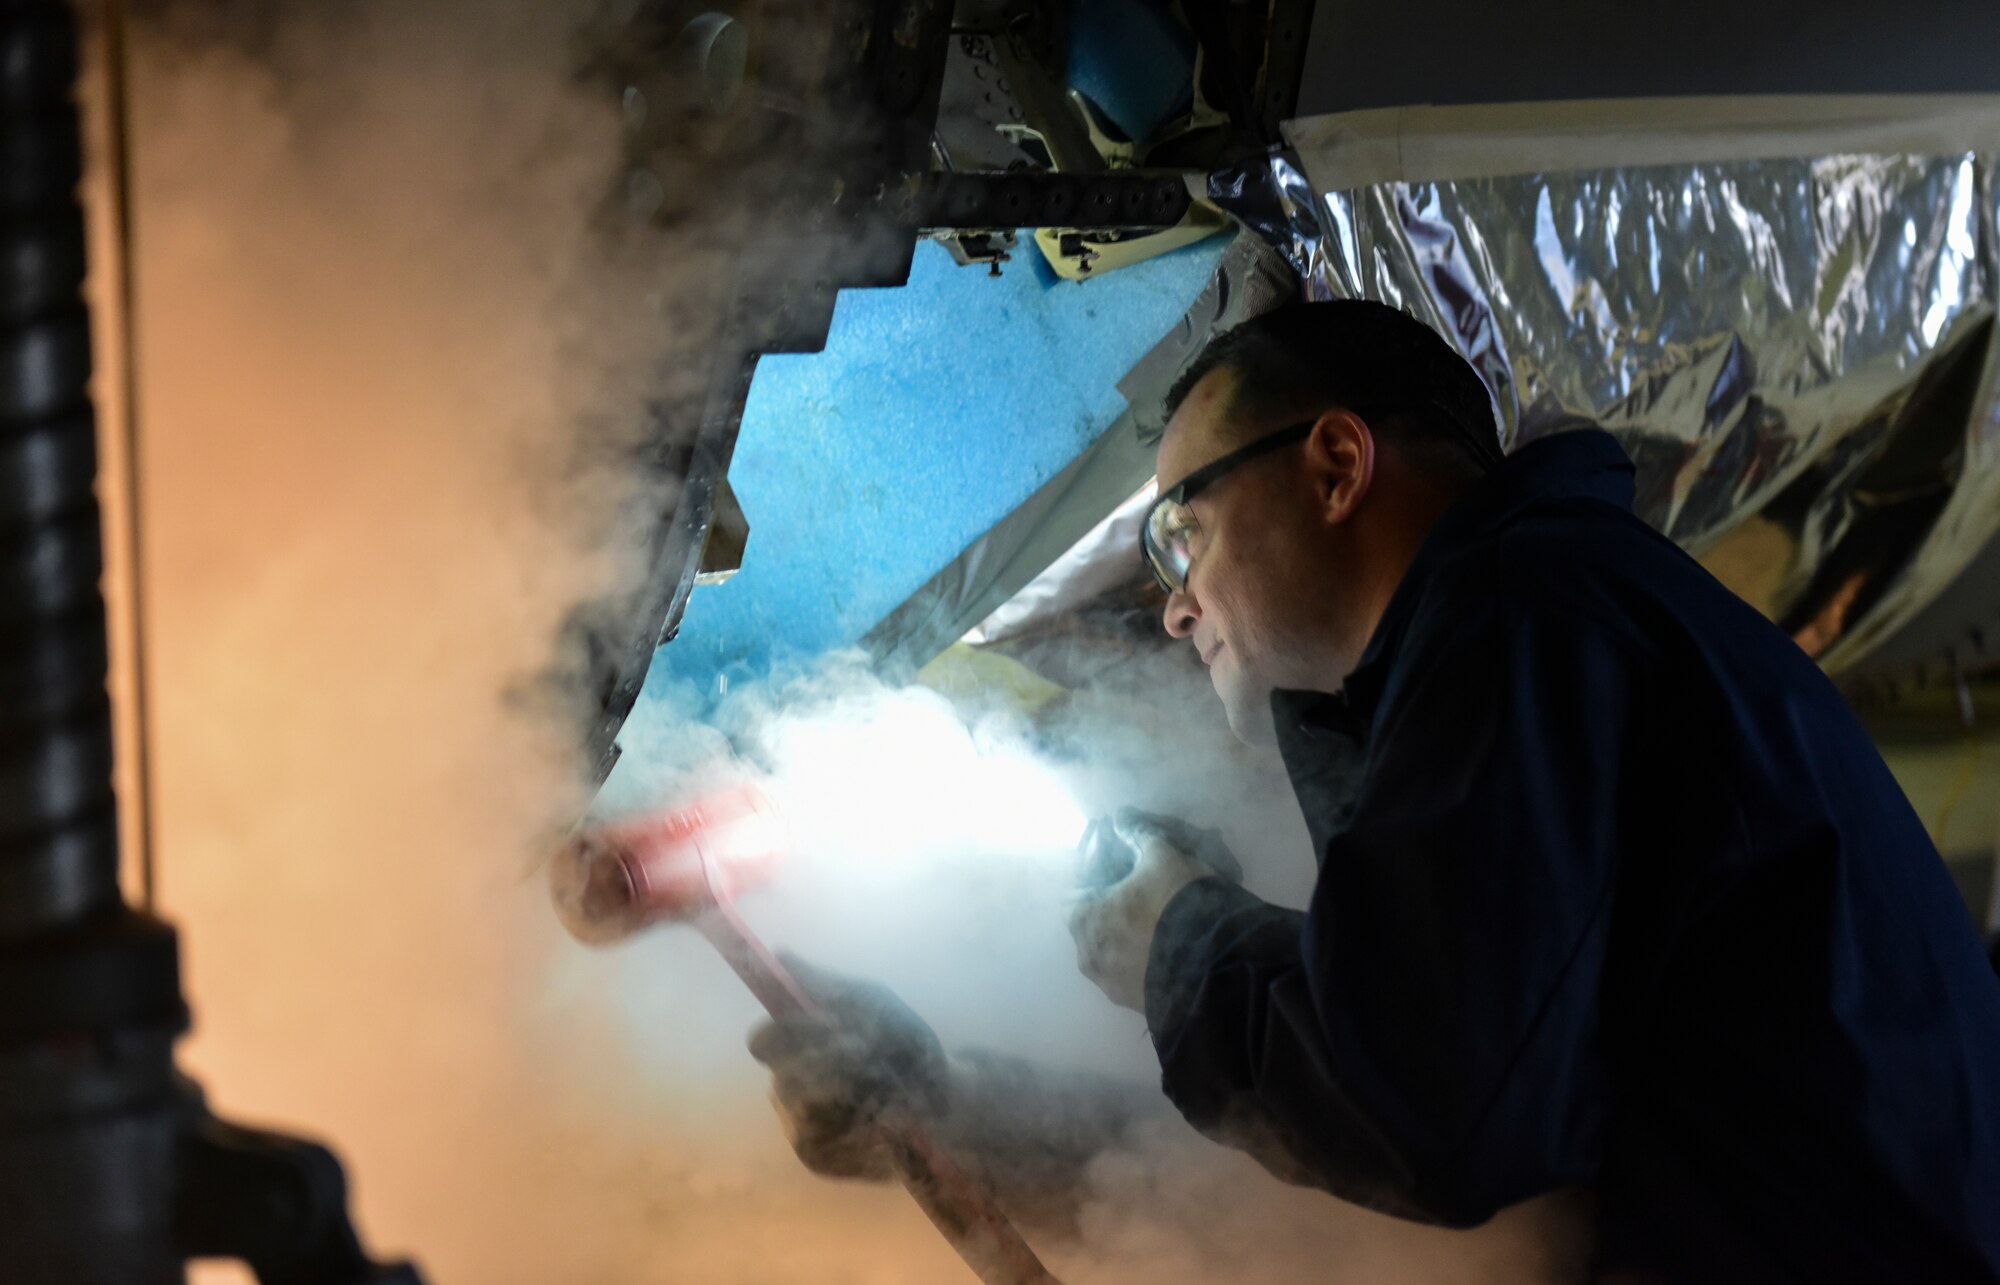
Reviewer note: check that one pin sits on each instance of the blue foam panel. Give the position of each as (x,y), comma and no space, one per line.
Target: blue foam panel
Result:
(935,409)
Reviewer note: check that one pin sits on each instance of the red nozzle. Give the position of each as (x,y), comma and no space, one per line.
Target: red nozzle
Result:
(611,880)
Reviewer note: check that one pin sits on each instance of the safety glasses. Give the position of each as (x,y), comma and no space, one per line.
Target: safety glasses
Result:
(1168,536)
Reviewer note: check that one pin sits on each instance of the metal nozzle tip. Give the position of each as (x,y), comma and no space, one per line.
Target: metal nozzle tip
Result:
(590,882)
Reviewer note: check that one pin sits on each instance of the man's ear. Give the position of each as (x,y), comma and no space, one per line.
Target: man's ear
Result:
(1340,458)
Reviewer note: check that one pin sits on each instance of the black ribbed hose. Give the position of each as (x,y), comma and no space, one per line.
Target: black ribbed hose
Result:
(58,849)
(89,990)
(112,1171)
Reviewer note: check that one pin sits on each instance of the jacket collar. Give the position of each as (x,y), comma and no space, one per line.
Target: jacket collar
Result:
(1581,462)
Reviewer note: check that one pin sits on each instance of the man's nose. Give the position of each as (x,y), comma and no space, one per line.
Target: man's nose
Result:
(1182,613)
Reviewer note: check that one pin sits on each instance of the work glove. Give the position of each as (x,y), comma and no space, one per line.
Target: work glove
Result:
(834,1078)
(1132,864)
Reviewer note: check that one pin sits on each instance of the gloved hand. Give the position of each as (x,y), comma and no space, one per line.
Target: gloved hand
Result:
(1113,922)
(833,1078)
(1110,847)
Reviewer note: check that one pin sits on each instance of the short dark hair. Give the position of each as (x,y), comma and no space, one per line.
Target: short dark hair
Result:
(1377,361)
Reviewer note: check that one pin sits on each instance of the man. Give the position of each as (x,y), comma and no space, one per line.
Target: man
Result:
(1615,893)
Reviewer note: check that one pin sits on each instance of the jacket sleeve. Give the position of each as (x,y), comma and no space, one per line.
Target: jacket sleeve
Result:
(1424,1040)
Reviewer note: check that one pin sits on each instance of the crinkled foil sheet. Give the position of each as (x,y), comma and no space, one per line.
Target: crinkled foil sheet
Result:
(1798,353)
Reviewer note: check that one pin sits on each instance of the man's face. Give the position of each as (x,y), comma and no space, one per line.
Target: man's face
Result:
(1261,599)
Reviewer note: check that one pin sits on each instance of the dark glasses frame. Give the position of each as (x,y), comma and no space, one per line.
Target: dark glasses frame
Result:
(1488,452)
(1193,484)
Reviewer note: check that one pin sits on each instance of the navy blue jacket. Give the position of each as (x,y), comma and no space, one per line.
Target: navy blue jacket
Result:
(1614,893)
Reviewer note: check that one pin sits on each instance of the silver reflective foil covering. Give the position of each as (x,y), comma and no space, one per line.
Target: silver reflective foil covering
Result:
(1797,352)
